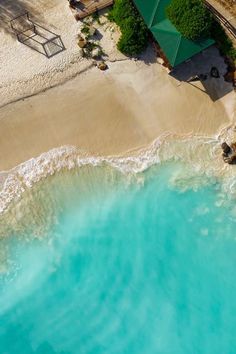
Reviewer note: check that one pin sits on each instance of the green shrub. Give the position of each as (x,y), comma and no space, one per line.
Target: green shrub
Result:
(134,33)
(96,17)
(224,42)
(190,17)
(85,30)
(121,10)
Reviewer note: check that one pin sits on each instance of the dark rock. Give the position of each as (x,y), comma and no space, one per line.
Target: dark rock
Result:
(226,148)
(102,66)
(215,72)
(232,160)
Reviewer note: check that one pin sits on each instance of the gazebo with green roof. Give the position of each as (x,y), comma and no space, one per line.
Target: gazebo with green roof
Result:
(175,46)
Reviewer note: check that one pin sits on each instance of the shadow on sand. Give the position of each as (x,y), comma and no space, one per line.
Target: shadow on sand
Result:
(199,66)
(10,9)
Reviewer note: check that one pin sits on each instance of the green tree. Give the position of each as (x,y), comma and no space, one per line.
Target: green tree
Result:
(134,33)
(223,41)
(190,17)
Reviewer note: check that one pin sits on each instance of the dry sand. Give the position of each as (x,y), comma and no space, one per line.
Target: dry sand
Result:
(109,113)
(23,71)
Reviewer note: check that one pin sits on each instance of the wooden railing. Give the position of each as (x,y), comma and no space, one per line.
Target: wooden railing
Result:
(228,25)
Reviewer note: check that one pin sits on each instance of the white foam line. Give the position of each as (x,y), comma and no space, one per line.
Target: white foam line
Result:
(30,172)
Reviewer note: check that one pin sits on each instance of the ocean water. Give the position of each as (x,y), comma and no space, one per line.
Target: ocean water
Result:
(95,262)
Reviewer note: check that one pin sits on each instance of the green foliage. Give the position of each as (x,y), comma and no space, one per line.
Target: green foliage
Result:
(224,42)
(190,17)
(85,30)
(134,33)
(96,17)
(88,50)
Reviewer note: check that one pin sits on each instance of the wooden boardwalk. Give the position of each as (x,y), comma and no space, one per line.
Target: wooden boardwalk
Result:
(88,7)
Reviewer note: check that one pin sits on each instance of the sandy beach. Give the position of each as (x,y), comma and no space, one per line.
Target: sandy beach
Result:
(109,113)
(66,101)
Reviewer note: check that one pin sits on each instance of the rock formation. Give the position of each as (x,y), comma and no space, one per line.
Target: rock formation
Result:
(229,153)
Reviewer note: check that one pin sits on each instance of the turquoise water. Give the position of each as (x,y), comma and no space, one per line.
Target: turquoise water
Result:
(136,267)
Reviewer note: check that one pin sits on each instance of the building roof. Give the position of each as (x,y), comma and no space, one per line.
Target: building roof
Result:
(176,47)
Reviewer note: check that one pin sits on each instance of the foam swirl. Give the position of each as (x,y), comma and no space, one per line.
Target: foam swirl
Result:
(201,154)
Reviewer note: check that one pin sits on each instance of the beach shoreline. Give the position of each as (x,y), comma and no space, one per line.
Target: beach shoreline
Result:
(117,116)
(110,113)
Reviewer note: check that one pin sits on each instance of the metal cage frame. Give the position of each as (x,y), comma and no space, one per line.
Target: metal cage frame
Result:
(24,38)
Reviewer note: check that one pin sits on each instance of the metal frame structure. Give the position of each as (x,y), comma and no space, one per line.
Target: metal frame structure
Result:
(36,36)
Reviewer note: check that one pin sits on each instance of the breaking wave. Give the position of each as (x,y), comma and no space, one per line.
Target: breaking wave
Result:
(201,156)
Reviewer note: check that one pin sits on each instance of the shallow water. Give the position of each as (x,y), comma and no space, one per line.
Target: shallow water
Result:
(121,266)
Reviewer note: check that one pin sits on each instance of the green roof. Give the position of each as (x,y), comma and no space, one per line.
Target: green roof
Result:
(176,47)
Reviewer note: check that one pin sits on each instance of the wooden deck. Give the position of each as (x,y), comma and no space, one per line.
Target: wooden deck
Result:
(87,7)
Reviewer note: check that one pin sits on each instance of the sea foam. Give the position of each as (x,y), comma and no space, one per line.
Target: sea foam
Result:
(202,156)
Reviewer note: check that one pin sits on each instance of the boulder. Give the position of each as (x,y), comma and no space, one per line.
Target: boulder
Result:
(232,160)
(102,66)
(226,148)
(82,42)
(215,72)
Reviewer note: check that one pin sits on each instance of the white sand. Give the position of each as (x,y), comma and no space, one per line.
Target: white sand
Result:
(23,71)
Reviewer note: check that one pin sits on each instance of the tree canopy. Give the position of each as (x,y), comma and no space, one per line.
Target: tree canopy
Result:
(134,33)
(190,17)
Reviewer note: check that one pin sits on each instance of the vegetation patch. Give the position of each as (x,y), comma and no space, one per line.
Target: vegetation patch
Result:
(85,30)
(134,32)
(96,17)
(190,17)
(194,21)
(223,41)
